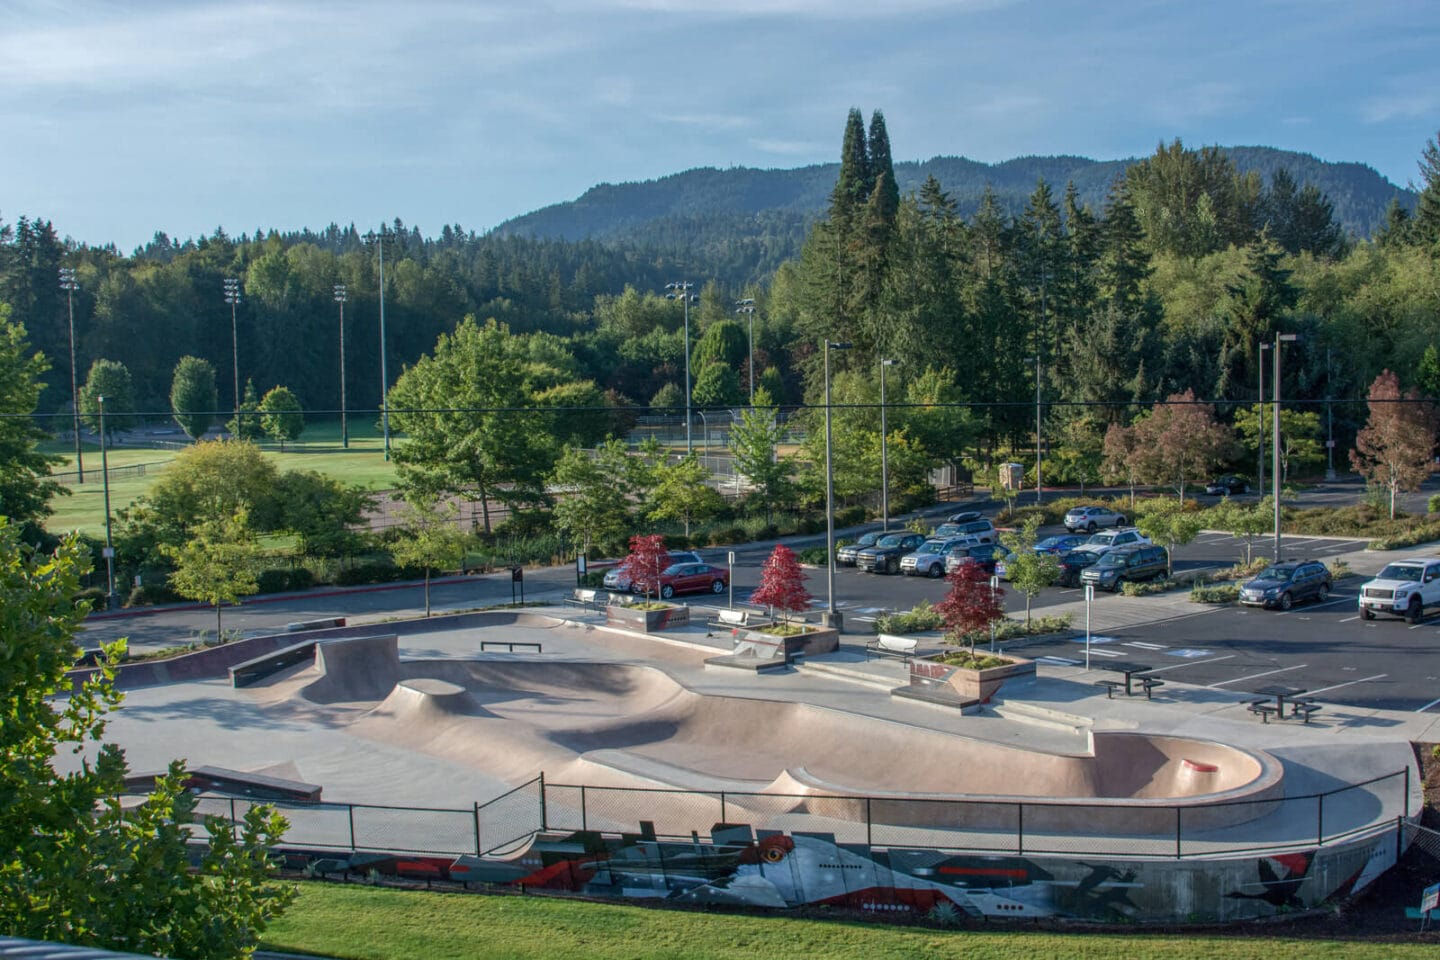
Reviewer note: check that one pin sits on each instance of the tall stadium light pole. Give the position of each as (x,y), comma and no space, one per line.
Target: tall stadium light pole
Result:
(232,297)
(835,620)
(884,453)
(70,285)
(1038,442)
(747,307)
(109,541)
(1275,439)
(681,291)
(1330,423)
(384,374)
(1260,418)
(344,426)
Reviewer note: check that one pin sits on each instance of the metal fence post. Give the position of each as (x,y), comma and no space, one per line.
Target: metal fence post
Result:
(543,823)
(350,809)
(584,818)
(233,824)
(722,807)
(1019,828)
(869,825)
(1320,820)
(1178,812)
(478,850)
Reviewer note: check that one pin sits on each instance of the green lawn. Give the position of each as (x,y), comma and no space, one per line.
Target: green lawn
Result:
(317,449)
(351,922)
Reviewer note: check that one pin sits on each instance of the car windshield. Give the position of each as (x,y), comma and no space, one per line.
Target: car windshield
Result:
(1104,539)
(891,541)
(930,546)
(868,539)
(1400,571)
(1276,573)
(1113,560)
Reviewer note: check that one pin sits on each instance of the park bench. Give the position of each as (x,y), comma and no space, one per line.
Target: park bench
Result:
(1110,687)
(1303,709)
(888,645)
(737,619)
(510,645)
(1264,709)
(588,599)
(1148,684)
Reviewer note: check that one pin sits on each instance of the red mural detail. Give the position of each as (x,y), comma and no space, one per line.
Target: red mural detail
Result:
(1297,863)
(561,875)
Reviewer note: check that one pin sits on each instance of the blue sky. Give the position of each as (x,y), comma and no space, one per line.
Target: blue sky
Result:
(122,118)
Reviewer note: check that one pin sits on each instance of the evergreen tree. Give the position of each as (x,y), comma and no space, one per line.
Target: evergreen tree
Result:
(245,425)
(1398,229)
(1124,261)
(1426,228)
(25,484)
(884,191)
(854,184)
(1257,305)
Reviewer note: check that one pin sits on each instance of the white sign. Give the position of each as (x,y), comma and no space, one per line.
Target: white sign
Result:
(107,552)
(731,555)
(1089,592)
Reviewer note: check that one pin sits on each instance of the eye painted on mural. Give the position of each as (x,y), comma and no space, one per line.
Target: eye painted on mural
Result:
(774,849)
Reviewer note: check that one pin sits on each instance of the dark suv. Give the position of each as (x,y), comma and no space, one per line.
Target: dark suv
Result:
(885,556)
(1282,584)
(1073,564)
(1140,561)
(846,554)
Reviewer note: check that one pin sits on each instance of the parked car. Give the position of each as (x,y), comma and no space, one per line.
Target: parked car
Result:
(928,559)
(964,516)
(618,580)
(1404,588)
(1138,561)
(1282,584)
(693,578)
(1227,486)
(1102,543)
(1073,564)
(845,556)
(983,530)
(988,555)
(1091,519)
(1059,545)
(884,556)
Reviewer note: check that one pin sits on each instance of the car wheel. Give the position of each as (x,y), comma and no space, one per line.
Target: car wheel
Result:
(718,586)
(936,571)
(1366,613)
(892,566)
(1414,612)
(1119,521)
(1090,527)
(1323,593)
(1245,488)
(667,591)
(1286,601)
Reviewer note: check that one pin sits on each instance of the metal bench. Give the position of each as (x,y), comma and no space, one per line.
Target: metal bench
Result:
(1264,709)
(1110,687)
(735,619)
(888,645)
(1303,709)
(588,599)
(1149,684)
(510,645)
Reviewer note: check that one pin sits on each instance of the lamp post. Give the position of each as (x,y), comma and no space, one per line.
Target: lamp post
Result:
(1260,416)
(109,542)
(384,375)
(1275,439)
(681,291)
(232,297)
(1330,423)
(884,453)
(344,427)
(835,619)
(70,285)
(1036,360)
(747,307)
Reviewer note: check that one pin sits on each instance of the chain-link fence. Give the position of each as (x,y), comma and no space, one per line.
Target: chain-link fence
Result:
(1058,827)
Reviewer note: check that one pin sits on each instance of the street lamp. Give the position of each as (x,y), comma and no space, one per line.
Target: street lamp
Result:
(1260,416)
(384,375)
(681,291)
(884,453)
(1036,360)
(747,307)
(232,297)
(70,285)
(835,619)
(1275,429)
(109,542)
(344,428)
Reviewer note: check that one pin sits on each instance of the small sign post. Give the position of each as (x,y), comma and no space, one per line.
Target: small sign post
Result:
(517,575)
(730,575)
(1089,597)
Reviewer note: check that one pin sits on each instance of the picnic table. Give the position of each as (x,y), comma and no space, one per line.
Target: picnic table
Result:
(1133,674)
(1284,696)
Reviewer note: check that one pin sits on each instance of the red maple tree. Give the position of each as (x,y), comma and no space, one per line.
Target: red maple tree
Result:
(648,558)
(971,605)
(1393,451)
(782,582)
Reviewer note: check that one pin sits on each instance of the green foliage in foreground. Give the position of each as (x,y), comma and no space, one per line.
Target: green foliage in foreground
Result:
(355,922)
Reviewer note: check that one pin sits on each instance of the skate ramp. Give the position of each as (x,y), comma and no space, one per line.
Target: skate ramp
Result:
(355,669)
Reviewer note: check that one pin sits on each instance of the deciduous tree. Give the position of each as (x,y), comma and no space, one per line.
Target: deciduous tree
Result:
(782,583)
(1030,570)
(753,442)
(972,605)
(215,565)
(429,538)
(682,493)
(281,415)
(647,559)
(1179,442)
(592,493)
(1169,522)
(1393,451)
(192,396)
(111,380)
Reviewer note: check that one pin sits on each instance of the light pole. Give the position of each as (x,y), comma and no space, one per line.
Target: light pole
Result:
(344,427)
(1036,360)
(384,375)
(681,291)
(232,297)
(1275,439)
(1260,416)
(835,619)
(747,307)
(109,543)
(70,285)
(884,453)
(1330,423)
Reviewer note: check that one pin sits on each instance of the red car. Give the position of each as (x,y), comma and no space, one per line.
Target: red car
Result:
(693,578)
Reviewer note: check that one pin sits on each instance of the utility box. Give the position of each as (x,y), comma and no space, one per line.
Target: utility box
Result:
(1012,476)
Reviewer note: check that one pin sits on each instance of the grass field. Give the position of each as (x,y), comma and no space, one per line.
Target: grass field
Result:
(353,922)
(318,449)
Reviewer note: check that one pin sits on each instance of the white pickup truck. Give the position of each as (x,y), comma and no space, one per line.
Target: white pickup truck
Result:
(1404,588)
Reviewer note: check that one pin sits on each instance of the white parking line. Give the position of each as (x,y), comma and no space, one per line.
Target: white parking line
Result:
(1337,686)
(1143,645)
(1256,676)
(1427,706)
(1348,619)
(1062,661)
(1192,663)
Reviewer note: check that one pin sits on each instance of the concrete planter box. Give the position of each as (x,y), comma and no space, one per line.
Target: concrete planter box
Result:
(933,676)
(814,641)
(647,621)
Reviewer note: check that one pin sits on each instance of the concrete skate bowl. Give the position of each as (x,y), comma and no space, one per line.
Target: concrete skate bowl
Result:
(632,726)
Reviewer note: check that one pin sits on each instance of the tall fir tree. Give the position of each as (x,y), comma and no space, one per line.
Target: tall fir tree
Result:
(1426,229)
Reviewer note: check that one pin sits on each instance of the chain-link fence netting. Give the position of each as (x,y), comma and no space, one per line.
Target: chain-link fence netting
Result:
(413,830)
(511,817)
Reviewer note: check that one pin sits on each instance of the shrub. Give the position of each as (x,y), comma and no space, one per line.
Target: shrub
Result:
(1433,504)
(807,525)
(1423,533)
(727,535)
(815,556)
(1339,569)
(272,581)
(372,572)
(1145,589)
(300,578)
(95,596)
(677,541)
(592,578)
(917,619)
(850,516)
(151,591)
(1217,593)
